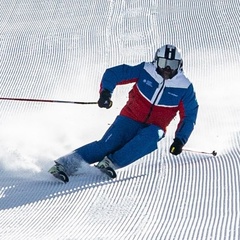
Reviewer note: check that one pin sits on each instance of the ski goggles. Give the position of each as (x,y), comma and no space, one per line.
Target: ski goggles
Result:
(172,63)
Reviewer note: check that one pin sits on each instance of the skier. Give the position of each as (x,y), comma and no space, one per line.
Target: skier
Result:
(160,91)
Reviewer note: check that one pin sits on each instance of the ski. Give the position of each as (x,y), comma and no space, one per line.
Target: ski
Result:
(58,172)
(108,171)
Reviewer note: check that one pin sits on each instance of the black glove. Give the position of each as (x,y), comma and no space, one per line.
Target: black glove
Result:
(176,147)
(105,99)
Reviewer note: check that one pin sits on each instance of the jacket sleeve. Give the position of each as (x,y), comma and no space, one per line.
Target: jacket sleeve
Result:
(188,110)
(121,74)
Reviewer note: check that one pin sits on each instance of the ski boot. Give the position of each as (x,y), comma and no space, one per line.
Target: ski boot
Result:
(106,166)
(58,172)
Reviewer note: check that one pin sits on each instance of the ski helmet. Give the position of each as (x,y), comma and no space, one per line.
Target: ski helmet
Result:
(168,56)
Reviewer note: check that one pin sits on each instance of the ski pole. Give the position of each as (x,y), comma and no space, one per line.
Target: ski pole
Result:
(44,100)
(214,153)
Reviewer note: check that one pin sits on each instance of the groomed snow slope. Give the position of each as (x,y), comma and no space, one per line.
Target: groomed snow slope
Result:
(58,49)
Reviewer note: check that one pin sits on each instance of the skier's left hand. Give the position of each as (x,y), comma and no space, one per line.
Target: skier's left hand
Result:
(176,147)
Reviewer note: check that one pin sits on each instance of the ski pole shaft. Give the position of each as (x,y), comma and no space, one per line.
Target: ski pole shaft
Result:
(44,100)
(214,153)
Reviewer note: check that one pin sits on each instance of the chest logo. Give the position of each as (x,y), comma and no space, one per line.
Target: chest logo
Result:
(173,94)
(148,83)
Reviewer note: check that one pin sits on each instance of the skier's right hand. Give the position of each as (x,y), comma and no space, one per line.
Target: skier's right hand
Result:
(105,99)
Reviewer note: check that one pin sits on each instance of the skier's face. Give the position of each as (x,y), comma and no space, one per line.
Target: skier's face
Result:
(167,68)
(167,72)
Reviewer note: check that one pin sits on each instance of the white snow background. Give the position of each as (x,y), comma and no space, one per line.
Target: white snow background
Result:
(58,49)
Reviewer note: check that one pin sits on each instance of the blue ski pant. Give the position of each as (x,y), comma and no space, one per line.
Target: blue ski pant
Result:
(124,142)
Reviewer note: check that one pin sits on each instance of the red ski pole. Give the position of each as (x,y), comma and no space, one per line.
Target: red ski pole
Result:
(44,100)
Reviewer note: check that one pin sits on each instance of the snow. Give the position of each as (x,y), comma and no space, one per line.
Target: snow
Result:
(59,50)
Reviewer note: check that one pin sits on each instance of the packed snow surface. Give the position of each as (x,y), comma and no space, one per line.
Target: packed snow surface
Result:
(58,49)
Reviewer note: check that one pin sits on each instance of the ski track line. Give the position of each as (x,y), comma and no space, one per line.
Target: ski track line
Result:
(59,50)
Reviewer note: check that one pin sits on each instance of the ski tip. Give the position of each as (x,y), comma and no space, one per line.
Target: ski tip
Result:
(57,172)
(109,172)
(62,177)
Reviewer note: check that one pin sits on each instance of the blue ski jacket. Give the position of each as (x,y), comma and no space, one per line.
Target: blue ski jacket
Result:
(154,100)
